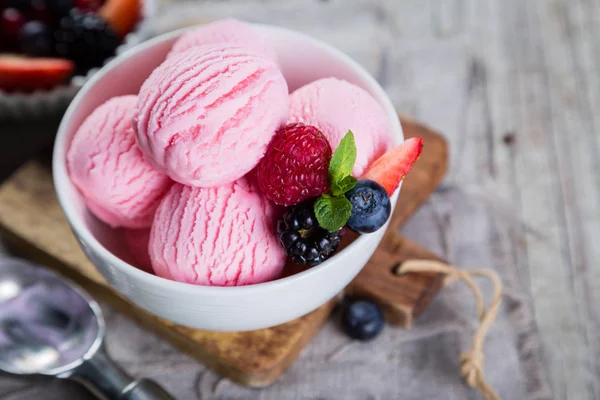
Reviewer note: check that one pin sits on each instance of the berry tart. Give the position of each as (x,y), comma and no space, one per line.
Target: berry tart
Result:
(48,48)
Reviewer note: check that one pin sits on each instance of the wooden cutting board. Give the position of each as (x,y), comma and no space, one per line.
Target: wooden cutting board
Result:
(33,223)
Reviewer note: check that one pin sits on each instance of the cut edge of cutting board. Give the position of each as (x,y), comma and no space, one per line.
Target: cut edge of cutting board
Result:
(32,222)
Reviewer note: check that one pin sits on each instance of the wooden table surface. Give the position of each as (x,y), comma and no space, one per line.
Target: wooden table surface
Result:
(515,85)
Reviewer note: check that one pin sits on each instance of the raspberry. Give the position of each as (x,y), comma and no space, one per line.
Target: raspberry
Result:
(294,168)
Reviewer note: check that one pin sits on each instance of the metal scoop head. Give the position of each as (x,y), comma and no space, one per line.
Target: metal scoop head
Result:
(50,326)
(47,326)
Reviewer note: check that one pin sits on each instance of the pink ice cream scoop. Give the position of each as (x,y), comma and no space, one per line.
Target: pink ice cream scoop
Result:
(222,236)
(228,30)
(137,242)
(118,185)
(206,116)
(336,106)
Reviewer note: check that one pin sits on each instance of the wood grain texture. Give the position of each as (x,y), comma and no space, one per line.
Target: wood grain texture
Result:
(402,297)
(431,168)
(515,85)
(533,108)
(32,221)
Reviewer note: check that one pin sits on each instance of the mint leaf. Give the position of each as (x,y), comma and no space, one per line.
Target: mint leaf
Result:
(332,212)
(343,159)
(340,187)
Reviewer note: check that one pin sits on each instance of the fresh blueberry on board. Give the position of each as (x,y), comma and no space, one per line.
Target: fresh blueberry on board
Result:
(362,319)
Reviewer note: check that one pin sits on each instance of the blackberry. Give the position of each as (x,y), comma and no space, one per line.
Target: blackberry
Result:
(86,39)
(304,241)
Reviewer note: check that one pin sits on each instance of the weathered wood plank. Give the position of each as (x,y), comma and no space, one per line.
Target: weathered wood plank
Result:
(542,170)
(577,157)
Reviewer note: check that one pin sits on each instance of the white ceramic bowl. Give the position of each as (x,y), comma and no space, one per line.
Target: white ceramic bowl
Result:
(302,60)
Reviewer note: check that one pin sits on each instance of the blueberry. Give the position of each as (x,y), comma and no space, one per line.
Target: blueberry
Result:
(371,206)
(362,319)
(35,39)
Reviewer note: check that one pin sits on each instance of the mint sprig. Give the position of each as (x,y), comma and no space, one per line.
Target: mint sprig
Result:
(343,159)
(341,187)
(333,210)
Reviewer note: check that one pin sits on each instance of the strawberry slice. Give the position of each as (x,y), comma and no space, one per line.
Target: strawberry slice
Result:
(121,15)
(389,169)
(23,73)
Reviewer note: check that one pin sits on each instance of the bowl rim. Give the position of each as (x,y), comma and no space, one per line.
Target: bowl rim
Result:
(61,178)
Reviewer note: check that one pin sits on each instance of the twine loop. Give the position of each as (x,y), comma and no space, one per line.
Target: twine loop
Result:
(471,362)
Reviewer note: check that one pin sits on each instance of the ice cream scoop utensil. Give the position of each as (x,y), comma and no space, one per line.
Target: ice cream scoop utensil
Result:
(50,326)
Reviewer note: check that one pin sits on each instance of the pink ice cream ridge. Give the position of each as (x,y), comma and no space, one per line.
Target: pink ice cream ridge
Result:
(228,30)
(118,185)
(206,116)
(335,106)
(221,236)
(137,241)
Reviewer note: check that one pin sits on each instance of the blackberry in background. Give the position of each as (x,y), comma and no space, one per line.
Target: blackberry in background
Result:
(86,39)
(60,8)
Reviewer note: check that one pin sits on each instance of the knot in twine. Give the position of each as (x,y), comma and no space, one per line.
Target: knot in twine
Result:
(471,362)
